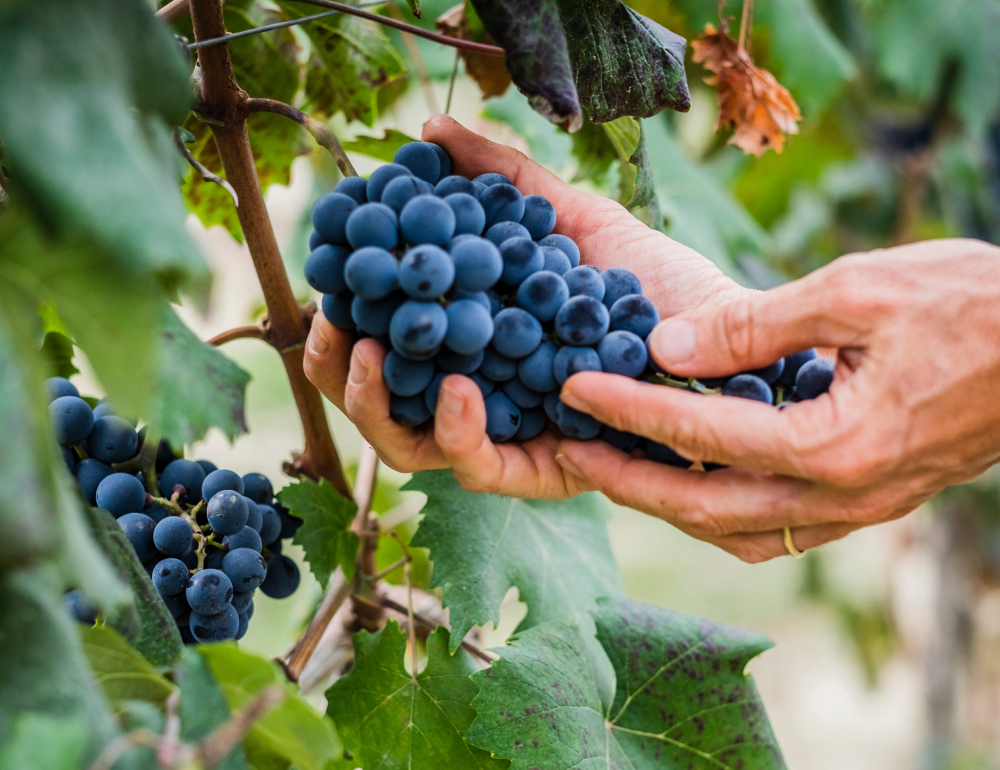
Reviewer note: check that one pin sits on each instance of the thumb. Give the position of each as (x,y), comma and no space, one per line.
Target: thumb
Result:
(755,330)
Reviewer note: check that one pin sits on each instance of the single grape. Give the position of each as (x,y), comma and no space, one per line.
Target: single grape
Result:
(532,423)
(185,473)
(113,440)
(450,362)
(566,245)
(426,272)
(503,419)
(496,302)
(404,377)
(337,310)
(282,579)
(618,283)
(455,184)
(421,159)
(470,327)
(516,333)
(156,512)
(542,294)
(503,231)
(634,313)
(80,608)
(172,536)
(72,419)
(164,455)
(248,537)
(381,177)
(478,264)
(793,363)
(521,258)
(353,187)
(576,425)
(418,329)
(213,558)
(402,190)
(289,524)
(569,360)
(371,273)
(170,576)
(271,528)
(138,528)
(89,473)
(217,481)
(586,282)
(497,367)
(208,466)
(770,373)
(209,591)
(315,240)
(242,601)
(219,627)
(120,493)
(227,512)
(255,519)
(814,378)
(469,215)
(104,408)
(330,215)
(535,371)
(245,567)
(258,487)
(178,607)
(748,386)
(68,458)
(241,630)
(409,410)
(521,395)
(430,398)
(479,297)
(57,387)
(375,317)
(502,203)
(582,321)
(373,224)
(539,216)
(664,455)
(555,260)
(325,268)
(427,219)
(619,439)
(485,384)
(551,404)
(443,159)
(461,238)
(622,353)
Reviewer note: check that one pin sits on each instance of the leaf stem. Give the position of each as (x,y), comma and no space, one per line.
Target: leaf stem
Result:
(418,64)
(412,630)
(320,131)
(451,84)
(388,570)
(388,603)
(239,333)
(337,591)
(218,744)
(207,175)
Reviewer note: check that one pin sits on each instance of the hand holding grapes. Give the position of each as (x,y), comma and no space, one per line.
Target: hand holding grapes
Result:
(675,278)
(912,407)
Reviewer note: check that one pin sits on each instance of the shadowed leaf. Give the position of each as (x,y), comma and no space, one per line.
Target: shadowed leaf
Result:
(325,533)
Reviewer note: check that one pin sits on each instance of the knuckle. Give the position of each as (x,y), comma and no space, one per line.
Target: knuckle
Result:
(751,552)
(703,522)
(473,483)
(736,329)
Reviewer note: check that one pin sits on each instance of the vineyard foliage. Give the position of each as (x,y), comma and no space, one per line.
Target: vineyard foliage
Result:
(94,254)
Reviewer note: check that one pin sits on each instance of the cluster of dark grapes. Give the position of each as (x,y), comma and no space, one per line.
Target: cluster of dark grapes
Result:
(460,276)
(208,543)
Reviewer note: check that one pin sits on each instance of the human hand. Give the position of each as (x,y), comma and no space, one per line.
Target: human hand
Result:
(675,277)
(913,406)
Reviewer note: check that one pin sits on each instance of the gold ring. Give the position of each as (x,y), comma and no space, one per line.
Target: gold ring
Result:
(790,546)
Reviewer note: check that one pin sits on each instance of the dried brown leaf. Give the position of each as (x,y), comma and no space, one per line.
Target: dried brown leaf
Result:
(751,102)
(489,72)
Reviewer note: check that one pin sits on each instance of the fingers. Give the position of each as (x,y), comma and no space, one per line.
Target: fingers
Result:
(326,358)
(755,330)
(757,548)
(525,470)
(366,404)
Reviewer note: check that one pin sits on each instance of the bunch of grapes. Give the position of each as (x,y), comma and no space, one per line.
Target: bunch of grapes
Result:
(208,543)
(465,276)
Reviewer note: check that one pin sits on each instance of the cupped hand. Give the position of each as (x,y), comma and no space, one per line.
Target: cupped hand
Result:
(675,277)
(913,406)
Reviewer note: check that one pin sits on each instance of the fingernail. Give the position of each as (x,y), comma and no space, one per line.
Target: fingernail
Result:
(318,343)
(450,402)
(673,342)
(568,465)
(359,369)
(569,397)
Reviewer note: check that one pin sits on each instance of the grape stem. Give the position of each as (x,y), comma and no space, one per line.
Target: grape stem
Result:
(218,744)
(689,384)
(324,137)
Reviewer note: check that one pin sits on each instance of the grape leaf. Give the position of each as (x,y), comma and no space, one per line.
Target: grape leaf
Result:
(681,700)
(325,533)
(198,387)
(556,553)
(290,732)
(382,149)
(42,742)
(391,720)
(120,670)
(203,706)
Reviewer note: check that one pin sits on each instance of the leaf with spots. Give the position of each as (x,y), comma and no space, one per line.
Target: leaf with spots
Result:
(681,698)
(325,534)
(555,553)
(392,720)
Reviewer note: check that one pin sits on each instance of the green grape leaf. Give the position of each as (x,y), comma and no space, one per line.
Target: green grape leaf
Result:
(292,731)
(203,706)
(57,348)
(42,742)
(120,670)
(391,720)
(325,533)
(555,553)
(72,75)
(594,154)
(350,61)
(198,387)
(681,699)
(382,149)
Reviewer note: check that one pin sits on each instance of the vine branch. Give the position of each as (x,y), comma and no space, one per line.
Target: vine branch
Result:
(320,131)
(388,603)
